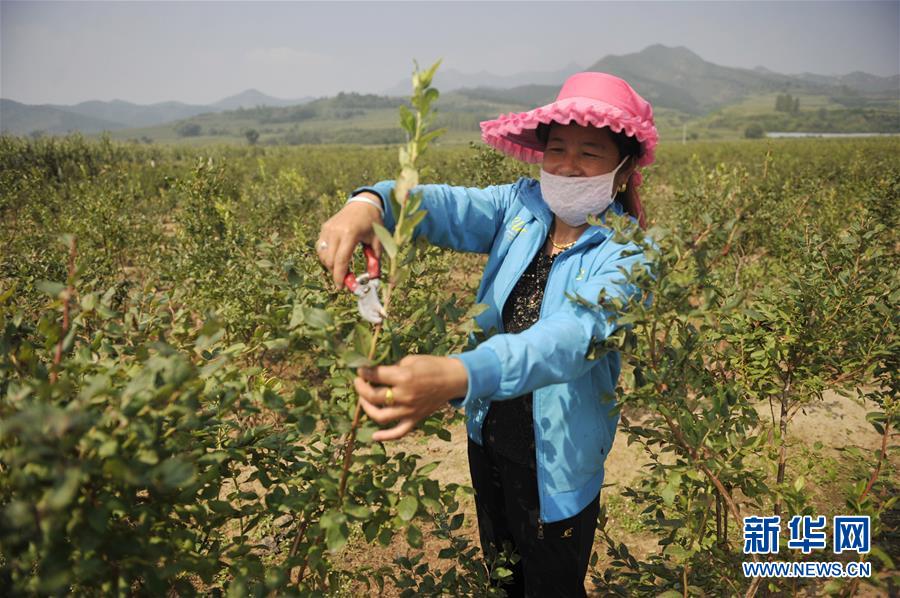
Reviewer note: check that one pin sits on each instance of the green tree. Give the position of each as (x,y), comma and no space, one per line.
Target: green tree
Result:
(188,129)
(754,131)
(786,103)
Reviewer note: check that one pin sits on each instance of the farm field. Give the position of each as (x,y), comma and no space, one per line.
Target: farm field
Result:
(366,119)
(176,372)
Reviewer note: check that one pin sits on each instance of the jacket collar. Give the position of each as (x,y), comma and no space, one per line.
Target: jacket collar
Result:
(533,200)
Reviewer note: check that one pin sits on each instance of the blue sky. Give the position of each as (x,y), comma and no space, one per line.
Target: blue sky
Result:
(200,52)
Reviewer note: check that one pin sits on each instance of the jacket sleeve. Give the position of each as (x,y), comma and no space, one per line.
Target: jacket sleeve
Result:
(460,218)
(555,348)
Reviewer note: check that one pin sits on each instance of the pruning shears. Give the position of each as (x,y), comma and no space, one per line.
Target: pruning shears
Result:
(365,287)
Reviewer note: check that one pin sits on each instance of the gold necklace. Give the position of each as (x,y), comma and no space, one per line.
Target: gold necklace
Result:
(566,246)
(563,247)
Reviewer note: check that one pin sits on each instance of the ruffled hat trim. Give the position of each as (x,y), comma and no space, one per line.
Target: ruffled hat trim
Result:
(515,133)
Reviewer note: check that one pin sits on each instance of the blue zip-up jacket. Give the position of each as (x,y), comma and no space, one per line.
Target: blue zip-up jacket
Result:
(574,397)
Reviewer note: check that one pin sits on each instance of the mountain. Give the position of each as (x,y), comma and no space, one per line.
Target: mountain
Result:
(526,96)
(95,116)
(451,80)
(857,81)
(679,79)
(252,98)
(127,114)
(679,83)
(21,119)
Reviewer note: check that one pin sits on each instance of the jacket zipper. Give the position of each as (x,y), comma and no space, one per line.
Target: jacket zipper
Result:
(541,500)
(535,414)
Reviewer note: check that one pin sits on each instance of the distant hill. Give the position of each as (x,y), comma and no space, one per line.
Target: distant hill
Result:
(452,80)
(127,114)
(95,116)
(349,118)
(526,95)
(678,79)
(20,119)
(857,81)
(684,89)
(252,98)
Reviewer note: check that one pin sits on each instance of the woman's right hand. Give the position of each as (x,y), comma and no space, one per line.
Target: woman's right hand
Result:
(345,230)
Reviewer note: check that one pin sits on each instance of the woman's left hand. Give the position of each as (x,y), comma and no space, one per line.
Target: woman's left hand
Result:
(421,384)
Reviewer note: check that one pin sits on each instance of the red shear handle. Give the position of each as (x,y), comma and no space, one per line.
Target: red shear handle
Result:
(373,268)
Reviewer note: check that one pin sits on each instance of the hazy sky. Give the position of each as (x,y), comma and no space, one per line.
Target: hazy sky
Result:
(200,52)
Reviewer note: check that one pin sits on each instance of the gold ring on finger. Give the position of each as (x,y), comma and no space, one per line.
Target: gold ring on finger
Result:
(389,397)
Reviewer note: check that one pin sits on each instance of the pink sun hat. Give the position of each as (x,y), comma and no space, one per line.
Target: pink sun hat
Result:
(587,98)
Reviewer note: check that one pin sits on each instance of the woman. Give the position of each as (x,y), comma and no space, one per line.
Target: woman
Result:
(540,412)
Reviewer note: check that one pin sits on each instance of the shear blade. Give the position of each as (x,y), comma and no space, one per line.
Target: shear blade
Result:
(370,307)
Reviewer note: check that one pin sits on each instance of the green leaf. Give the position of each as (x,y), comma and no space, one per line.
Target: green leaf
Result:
(336,530)
(277,344)
(297,316)
(222,507)
(431,95)
(365,433)
(51,288)
(147,456)
(426,76)
(426,469)
(174,473)
(370,530)
(64,491)
(447,553)
(430,135)
(362,338)
(678,553)
(387,240)
(358,511)
(306,424)
(410,223)
(407,120)
(336,537)
(882,556)
(395,204)
(457,521)
(407,507)
(414,536)
(668,495)
(317,318)
(356,360)
(108,448)
(385,535)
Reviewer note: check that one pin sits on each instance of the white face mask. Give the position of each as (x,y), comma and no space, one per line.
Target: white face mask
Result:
(573,198)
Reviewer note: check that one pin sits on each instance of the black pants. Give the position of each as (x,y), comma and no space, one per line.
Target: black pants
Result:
(554,556)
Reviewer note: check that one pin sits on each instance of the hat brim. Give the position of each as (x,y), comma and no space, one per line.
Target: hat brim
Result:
(514,134)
